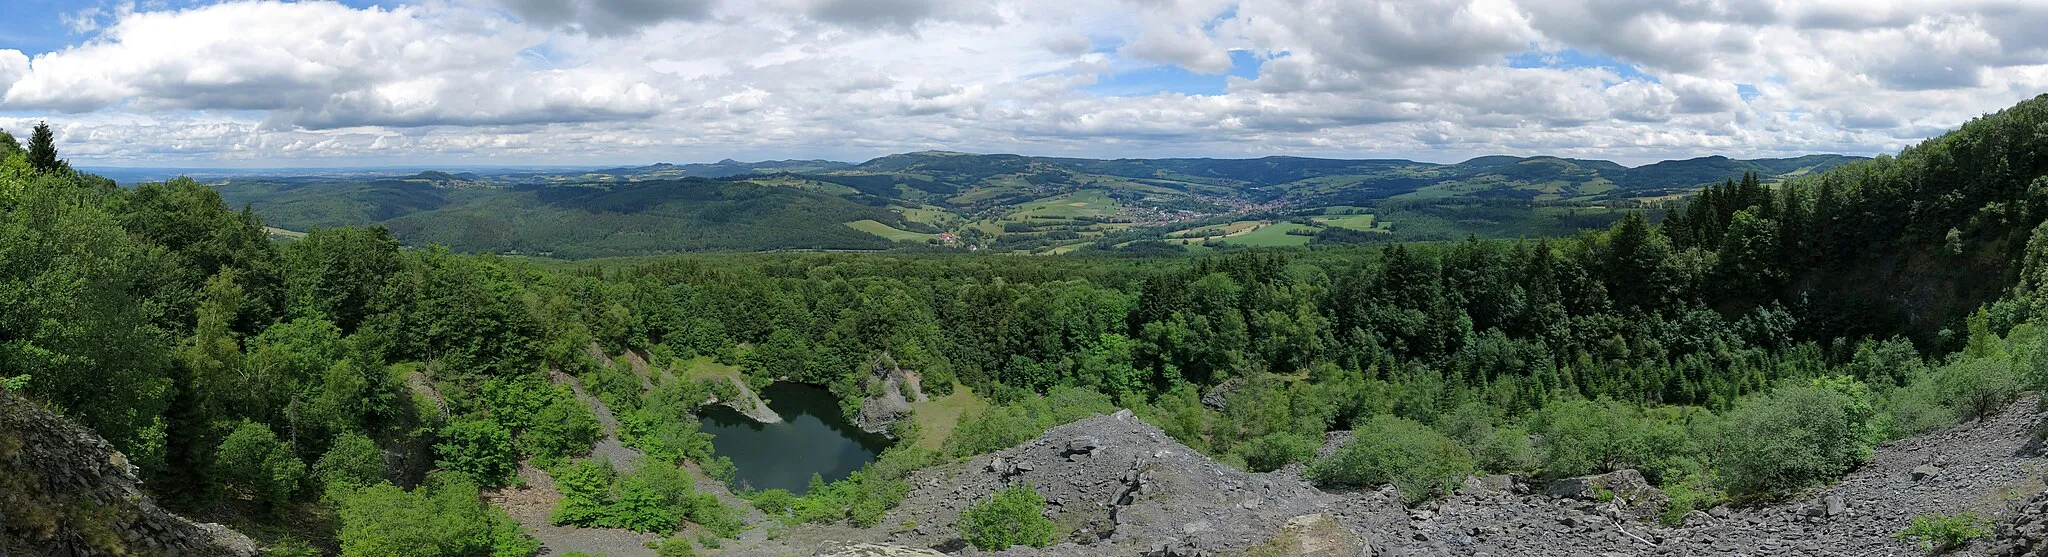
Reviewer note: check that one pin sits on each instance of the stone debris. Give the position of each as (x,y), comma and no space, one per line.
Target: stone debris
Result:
(46,462)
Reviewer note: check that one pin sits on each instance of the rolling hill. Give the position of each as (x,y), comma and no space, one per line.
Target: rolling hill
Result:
(997,201)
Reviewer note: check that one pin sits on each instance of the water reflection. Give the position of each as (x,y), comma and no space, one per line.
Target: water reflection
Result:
(812,439)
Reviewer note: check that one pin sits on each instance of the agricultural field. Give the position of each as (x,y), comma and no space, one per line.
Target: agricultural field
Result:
(1084,203)
(892,233)
(1271,234)
(1362,223)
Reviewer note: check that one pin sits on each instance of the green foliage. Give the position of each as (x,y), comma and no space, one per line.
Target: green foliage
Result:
(1941,533)
(446,517)
(655,497)
(252,461)
(479,447)
(1790,438)
(775,502)
(1397,451)
(1493,448)
(866,494)
(675,547)
(351,461)
(1008,425)
(1978,387)
(1012,516)
(1690,493)
(1277,449)
(42,150)
(549,424)
(15,383)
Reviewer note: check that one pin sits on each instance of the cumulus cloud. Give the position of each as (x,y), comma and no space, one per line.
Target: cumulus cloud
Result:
(607,17)
(642,80)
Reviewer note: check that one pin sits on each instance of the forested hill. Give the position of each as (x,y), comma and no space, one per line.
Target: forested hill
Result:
(1007,203)
(339,393)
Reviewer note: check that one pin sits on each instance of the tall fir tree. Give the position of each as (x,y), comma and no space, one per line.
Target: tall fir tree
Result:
(42,150)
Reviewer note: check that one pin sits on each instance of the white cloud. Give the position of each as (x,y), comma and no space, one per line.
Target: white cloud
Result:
(642,80)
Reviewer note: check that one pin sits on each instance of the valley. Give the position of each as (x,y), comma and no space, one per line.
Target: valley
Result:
(1000,203)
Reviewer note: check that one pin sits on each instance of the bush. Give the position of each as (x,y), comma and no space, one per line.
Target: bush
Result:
(352,461)
(775,502)
(1913,409)
(1390,450)
(1977,388)
(1274,450)
(252,461)
(1690,493)
(1009,425)
(1499,449)
(479,447)
(655,497)
(1790,438)
(1583,437)
(444,517)
(676,547)
(1012,516)
(1940,533)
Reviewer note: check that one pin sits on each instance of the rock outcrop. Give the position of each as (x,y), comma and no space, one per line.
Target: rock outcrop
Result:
(66,491)
(1119,486)
(747,403)
(891,390)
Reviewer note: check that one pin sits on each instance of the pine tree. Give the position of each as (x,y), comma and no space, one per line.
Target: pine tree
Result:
(42,150)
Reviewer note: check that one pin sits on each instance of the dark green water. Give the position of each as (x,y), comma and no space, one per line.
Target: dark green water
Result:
(812,439)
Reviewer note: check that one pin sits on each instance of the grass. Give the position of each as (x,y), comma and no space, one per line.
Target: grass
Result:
(702,367)
(937,417)
(1271,235)
(1226,230)
(876,228)
(1084,203)
(1362,223)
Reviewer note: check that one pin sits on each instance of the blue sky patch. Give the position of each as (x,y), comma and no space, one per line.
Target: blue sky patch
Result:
(1570,59)
(1168,78)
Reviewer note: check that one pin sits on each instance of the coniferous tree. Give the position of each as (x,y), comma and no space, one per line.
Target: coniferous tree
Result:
(42,150)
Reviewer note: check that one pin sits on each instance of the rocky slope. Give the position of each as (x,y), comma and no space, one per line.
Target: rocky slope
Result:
(66,491)
(1118,486)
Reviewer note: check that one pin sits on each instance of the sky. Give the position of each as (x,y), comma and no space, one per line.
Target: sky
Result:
(197,83)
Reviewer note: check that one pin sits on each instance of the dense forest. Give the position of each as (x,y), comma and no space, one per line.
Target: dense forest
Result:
(1758,340)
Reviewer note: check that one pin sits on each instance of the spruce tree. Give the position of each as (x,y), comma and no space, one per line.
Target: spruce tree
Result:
(42,149)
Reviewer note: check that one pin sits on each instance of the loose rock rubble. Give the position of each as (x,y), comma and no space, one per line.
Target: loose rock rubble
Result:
(1116,486)
(49,465)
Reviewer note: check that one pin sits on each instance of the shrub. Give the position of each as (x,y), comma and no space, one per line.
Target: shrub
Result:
(1009,425)
(1790,438)
(251,460)
(775,502)
(676,547)
(1940,533)
(352,461)
(1977,388)
(1277,449)
(479,447)
(1690,493)
(1913,409)
(655,497)
(1583,437)
(1012,516)
(444,517)
(1390,450)
(1499,449)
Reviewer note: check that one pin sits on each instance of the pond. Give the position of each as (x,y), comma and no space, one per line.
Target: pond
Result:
(813,438)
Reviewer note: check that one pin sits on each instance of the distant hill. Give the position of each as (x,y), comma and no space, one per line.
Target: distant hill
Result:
(1001,201)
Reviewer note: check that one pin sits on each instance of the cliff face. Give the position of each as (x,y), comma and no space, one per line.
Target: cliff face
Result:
(66,491)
